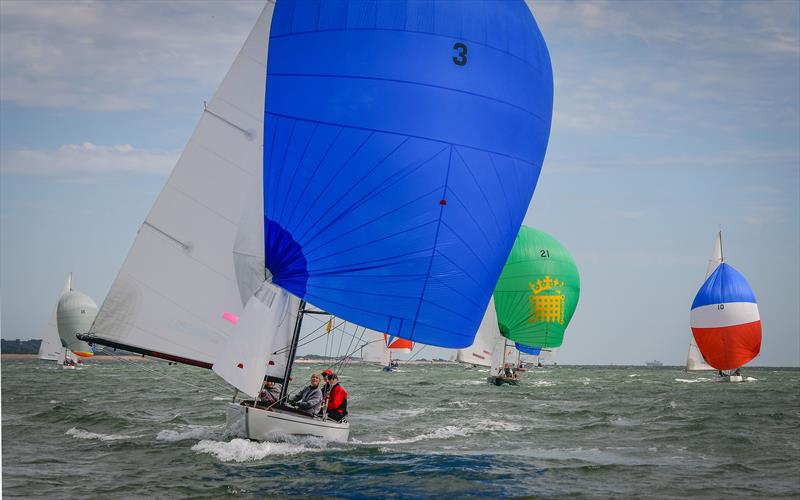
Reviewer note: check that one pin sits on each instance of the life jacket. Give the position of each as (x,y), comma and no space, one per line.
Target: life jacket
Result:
(337,399)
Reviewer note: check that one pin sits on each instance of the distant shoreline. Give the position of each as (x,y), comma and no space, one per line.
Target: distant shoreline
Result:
(35,357)
(104,358)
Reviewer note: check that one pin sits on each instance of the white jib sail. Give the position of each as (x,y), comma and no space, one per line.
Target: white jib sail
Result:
(695,361)
(260,340)
(51,348)
(480,352)
(198,257)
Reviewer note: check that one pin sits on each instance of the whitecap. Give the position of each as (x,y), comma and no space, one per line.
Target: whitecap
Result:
(243,450)
(691,380)
(633,375)
(84,434)
(190,432)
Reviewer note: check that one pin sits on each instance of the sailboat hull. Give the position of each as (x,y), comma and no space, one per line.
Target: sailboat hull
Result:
(266,425)
(731,378)
(502,380)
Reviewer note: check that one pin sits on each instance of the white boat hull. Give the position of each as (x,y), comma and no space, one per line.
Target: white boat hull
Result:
(731,378)
(268,425)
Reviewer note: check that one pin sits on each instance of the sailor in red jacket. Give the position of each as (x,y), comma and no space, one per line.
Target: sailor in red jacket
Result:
(337,399)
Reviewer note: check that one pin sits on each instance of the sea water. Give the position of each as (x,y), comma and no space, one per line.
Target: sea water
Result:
(149,429)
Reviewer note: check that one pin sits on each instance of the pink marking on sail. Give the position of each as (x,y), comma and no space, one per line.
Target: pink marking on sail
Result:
(230,317)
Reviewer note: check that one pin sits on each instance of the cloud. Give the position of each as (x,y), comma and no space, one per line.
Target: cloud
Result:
(82,161)
(666,67)
(116,56)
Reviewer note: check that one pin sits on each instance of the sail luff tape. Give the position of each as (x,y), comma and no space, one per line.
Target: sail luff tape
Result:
(185,246)
(246,132)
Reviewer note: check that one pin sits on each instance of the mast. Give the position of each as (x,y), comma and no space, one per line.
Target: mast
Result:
(292,350)
(721,254)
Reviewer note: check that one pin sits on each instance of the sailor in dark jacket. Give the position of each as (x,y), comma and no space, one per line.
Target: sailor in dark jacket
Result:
(310,398)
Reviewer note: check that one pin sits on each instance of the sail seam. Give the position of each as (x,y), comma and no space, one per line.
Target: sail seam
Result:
(408,82)
(435,243)
(383,131)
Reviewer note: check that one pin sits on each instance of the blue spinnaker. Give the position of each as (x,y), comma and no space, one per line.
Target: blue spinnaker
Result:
(533,351)
(402,145)
(725,284)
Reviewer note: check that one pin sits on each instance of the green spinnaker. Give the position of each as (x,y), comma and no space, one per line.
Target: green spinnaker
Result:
(538,290)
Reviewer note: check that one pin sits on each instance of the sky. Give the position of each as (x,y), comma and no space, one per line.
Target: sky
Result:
(671,119)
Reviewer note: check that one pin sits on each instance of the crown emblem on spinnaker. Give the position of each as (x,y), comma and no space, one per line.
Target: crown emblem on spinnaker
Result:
(548,308)
(547,284)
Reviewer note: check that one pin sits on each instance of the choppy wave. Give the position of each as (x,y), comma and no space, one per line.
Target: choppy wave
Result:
(191,432)
(243,450)
(594,430)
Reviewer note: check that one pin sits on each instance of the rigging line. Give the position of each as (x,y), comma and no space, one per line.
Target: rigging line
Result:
(315,338)
(341,363)
(341,339)
(416,353)
(162,375)
(345,359)
(327,341)
(284,349)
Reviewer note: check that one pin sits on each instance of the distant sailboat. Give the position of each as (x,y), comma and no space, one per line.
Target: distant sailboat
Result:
(725,321)
(396,344)
(486,341)
(382,180)
(537,293)
(53,348)
(504,360)
(694,359)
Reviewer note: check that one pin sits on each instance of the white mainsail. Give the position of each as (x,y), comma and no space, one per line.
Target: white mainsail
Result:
(504,352)
(375,350)
(199,255)
(51,348)
(694,359)
(488,336)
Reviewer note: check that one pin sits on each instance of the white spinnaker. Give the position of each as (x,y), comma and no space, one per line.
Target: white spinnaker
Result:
(695,361)
(180,276)
(51,348)
(480,352)
(375,350)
